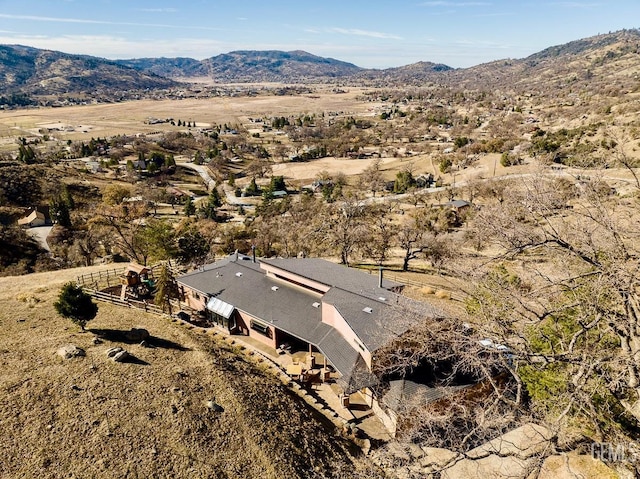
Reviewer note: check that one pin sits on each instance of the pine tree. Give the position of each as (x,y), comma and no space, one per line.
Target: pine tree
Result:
(189,207)
(75,304)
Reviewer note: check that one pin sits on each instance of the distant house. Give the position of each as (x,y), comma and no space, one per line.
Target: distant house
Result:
(36,217)
(344,314)
(279,194)
(93,166)
(458,206)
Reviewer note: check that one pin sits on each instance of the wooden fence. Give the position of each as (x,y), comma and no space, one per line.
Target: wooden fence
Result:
(391,276)
(96,283)
(100,280)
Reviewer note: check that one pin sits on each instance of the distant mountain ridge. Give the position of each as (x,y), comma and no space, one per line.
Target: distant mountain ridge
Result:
(31,71)
(248,66)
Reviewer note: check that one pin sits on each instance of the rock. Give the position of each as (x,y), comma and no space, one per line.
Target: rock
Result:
(214,407)
(364,444)
(111,352)
(97,340)
(137,335)
(121,356)
(508,456)
(436,458)
(70,351)
(569,466)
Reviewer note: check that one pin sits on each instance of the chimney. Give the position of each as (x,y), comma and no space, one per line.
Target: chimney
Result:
(380,277)
(253,252)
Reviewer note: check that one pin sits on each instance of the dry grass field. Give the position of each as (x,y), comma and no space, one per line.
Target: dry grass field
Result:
(92,417)
(129,117)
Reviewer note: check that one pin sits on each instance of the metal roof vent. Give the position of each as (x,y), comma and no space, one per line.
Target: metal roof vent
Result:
(316,305)
(238,274)
(368,310)
(274,288)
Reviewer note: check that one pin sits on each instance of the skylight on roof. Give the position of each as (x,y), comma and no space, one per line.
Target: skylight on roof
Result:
(381,298)
(238,274)
(316,305)
(274,288)
(368,310)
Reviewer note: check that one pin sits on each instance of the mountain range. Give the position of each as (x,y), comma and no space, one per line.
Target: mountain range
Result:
(35,72)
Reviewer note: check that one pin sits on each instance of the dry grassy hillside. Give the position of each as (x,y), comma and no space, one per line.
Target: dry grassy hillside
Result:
(92,417)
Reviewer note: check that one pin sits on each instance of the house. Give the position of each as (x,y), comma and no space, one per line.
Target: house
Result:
(343,313)
(458,206)
(38,216)
(279,194)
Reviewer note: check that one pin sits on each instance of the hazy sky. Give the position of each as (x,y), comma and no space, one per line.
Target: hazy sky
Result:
(369,33)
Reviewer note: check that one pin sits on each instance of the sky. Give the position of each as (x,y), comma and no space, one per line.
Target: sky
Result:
(369,33)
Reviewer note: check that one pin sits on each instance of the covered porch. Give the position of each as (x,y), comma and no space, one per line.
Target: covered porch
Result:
(296,362)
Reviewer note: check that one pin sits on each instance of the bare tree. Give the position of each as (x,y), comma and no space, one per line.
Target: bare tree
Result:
(561,290)
(380,231)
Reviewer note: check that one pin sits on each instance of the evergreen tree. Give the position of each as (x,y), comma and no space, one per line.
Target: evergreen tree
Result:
(252,189)
(189,207)
(60,212)
(209,209)
(75,304)
(192,247)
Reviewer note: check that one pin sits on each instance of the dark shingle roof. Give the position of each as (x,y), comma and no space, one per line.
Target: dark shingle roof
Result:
(288,308)
(376,322)
(334,275)
(243,284)
(403,394)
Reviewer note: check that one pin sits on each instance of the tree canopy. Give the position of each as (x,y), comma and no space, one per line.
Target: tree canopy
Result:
(75,304)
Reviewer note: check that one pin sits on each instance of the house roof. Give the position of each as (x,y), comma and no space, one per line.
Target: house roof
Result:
(457,204)
(334,275)
(35,214)
(404,394)
(244,285)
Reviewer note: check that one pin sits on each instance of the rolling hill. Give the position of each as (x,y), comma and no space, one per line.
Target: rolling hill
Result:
(249,66)
(610,58)
(31,71)
(92,417)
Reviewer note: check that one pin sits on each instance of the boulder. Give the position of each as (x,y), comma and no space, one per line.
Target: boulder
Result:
(111,352)
(570,466)
(121,356)
(509,456)
(137,335)
(214,407)
(436,458)
(69,351)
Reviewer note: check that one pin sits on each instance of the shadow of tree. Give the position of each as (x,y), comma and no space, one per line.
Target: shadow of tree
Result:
(120,336)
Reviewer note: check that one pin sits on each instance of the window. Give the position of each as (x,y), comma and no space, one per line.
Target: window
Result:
(261,328)
(220,320)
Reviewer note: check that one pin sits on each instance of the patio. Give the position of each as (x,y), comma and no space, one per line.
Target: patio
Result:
(298,366)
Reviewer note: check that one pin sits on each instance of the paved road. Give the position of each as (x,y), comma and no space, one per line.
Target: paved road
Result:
(40,233)
(201,170)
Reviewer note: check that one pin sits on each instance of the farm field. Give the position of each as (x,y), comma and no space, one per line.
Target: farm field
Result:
(100,120)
